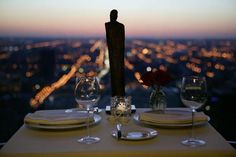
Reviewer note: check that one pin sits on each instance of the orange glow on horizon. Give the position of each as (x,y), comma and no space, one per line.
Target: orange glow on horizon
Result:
(145,18)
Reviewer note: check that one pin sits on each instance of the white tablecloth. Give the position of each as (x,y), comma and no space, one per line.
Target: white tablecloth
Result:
(37,143)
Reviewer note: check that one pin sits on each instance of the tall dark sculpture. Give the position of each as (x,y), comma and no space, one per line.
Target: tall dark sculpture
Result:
(115,35)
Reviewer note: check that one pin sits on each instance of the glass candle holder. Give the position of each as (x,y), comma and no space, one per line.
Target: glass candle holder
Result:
(121,109)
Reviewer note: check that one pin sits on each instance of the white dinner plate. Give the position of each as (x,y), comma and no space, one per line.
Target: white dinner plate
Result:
(174,125)
(136,134)
(97,119)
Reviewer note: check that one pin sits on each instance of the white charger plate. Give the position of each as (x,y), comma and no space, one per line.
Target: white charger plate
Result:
(97,119)
(174,125)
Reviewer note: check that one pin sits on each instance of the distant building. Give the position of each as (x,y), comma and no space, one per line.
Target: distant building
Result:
(47,64)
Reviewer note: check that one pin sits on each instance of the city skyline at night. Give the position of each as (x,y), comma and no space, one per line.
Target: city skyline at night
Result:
(86,18)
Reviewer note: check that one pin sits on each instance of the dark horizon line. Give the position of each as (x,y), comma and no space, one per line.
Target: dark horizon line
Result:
(128,37)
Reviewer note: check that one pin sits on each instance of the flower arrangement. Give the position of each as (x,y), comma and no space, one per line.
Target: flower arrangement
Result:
(156,79)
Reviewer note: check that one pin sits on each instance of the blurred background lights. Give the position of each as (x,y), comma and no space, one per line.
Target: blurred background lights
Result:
(37,86)
(207,108)
(149,68)
(81,70)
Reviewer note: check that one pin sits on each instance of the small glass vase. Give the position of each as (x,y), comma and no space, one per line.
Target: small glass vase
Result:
(158,100)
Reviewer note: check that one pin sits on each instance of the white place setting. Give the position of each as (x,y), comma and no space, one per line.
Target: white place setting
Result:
(59,119)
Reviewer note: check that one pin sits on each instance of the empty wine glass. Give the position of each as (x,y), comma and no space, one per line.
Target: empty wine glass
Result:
(193,95)
(87,94)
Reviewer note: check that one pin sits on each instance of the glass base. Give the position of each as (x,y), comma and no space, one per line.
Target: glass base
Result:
(89,140)
(193,142)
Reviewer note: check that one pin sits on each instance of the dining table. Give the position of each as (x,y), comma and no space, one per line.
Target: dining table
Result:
(36,142)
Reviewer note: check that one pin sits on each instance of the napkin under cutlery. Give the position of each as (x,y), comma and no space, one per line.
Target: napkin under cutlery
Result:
(173,117)
(57,117)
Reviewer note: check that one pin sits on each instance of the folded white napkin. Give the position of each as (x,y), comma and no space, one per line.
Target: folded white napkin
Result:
(56,117)
(173,117)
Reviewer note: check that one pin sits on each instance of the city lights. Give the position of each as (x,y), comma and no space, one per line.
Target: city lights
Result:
(72,57)
(46,91)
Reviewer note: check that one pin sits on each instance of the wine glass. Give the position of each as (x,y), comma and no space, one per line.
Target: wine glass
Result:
(87,94)
(193,95)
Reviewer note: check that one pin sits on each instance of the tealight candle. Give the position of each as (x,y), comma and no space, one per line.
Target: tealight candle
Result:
(121,106)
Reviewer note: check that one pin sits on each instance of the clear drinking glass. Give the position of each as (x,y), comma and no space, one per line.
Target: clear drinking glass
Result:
(193,95)
(121,111)
(87,94)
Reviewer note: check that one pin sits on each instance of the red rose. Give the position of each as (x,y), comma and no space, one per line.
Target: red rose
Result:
(159,78)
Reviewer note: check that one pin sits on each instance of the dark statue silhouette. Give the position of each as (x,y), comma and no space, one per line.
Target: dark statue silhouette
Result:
(115,35)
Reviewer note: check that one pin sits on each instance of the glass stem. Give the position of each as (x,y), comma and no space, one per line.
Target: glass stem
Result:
(192,130)
(88,119)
